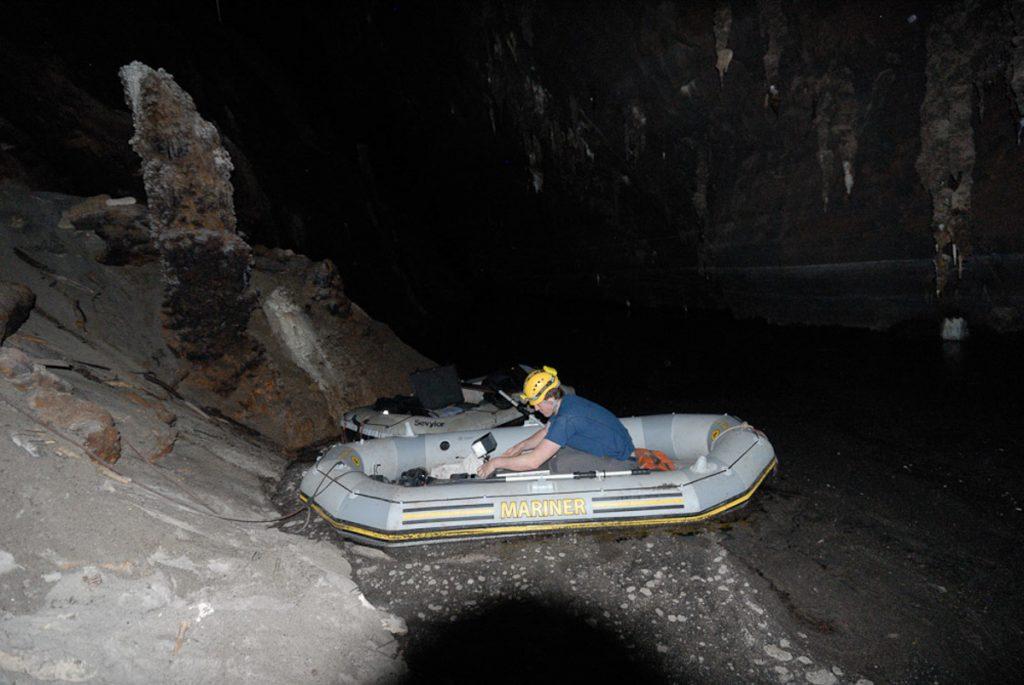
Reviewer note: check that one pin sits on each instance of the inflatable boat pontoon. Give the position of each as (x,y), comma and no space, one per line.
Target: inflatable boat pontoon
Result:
(474,414)
(720,462)
(442,403)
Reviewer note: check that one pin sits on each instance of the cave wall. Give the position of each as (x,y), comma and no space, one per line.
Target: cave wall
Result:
(808,163)
(61,125)
(828,163)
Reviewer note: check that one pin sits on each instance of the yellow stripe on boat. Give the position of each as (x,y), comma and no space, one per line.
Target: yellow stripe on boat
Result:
(637,503)
(447,513)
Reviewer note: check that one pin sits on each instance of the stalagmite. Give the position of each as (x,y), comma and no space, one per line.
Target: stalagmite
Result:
(187,172)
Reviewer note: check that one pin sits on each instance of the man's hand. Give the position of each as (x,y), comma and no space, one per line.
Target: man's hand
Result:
(487,469)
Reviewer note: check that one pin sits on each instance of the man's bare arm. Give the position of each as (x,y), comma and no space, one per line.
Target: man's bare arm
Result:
(527,461)
(528,444)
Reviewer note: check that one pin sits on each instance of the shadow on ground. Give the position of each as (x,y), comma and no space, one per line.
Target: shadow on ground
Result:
(513,641)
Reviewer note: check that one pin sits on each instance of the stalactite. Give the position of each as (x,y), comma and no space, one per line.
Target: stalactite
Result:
(773,29)
(946,162)
(700,206)
(723,25)
(826,160)
(635,133)
(835,129)
(844,128)
(549,138)
(1015,68)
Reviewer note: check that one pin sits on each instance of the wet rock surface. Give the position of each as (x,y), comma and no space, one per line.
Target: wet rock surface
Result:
(675,606)
(137,572)
(158,567)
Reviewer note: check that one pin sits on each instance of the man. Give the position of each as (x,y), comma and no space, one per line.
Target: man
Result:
(580,435)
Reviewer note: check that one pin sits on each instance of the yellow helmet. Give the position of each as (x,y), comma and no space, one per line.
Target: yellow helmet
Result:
(538,384)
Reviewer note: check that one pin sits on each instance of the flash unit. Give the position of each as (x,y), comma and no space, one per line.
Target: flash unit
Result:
(485,445)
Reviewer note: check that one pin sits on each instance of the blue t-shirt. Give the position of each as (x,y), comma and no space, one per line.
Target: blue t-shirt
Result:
(589,427)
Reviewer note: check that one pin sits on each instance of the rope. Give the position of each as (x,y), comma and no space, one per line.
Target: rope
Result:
(120,477)
(738,425)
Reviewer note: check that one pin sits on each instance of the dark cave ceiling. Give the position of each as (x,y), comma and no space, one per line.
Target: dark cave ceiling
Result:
(830,163)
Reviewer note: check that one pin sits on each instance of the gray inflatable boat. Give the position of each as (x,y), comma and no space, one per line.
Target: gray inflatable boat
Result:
(720,463)
(444,404)
(473,413)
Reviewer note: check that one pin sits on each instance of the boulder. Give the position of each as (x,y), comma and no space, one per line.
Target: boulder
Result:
(324,287)
(15,365)
(121,223)
(86,421)
(16,302)
(49,401)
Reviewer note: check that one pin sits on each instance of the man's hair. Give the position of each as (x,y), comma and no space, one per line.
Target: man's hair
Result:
(554,394)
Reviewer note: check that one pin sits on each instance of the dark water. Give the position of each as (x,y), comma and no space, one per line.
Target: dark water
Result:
(643,362)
